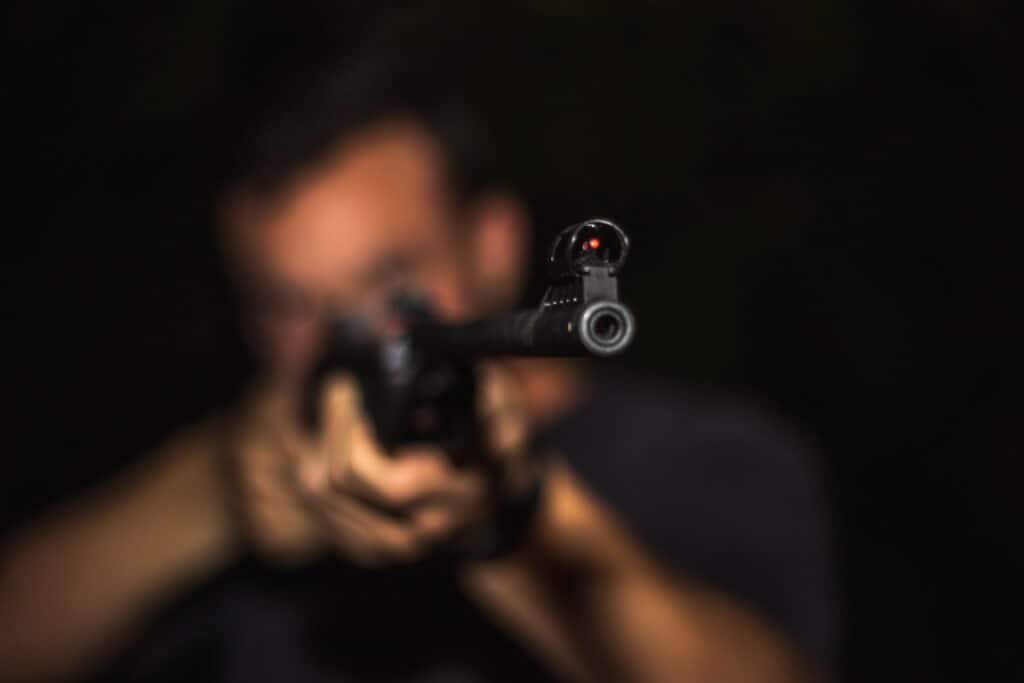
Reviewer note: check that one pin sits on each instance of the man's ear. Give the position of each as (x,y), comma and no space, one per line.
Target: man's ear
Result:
(235,211)
(498,250)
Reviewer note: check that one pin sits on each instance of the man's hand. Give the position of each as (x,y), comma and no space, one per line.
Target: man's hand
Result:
(338,488)
(276,519)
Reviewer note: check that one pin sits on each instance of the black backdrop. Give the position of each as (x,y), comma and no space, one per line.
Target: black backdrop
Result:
(824,200)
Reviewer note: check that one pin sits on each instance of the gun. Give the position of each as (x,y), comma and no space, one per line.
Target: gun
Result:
(420,387)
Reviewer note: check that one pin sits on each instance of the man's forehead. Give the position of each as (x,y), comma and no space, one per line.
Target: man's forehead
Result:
(383,189)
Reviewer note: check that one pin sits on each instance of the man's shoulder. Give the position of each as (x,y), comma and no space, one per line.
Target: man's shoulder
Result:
(721,489)
(652,420)
(691,471)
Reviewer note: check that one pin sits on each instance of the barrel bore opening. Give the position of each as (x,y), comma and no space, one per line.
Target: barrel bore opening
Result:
(607,327)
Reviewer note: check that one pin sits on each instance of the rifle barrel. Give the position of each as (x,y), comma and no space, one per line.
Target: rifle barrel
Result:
(600,328)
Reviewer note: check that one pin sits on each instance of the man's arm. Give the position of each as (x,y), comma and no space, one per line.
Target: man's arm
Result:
(592,602)
(579,590)
(73,587)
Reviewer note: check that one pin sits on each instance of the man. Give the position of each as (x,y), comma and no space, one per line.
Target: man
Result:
(680,541)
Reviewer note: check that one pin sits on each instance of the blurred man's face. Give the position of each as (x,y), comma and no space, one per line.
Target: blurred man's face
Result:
(375,217)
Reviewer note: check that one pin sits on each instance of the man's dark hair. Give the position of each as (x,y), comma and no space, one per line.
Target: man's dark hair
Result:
(292,113)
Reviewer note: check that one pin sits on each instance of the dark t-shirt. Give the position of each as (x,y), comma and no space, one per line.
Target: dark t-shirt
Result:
(719,494)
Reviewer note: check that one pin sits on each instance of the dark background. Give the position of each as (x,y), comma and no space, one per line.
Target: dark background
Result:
(824,199)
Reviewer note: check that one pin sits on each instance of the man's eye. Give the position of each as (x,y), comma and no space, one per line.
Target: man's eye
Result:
(390,272)
(282,303)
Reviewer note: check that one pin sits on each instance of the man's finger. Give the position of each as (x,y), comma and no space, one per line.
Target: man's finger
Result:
(411,477)
(342,413)
(313,457)
(306,458)
(436,522)
(498,392)
(381,536)
(501,411)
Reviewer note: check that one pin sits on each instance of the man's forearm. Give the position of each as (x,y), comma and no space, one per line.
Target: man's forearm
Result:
(72,587)
(593,603)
